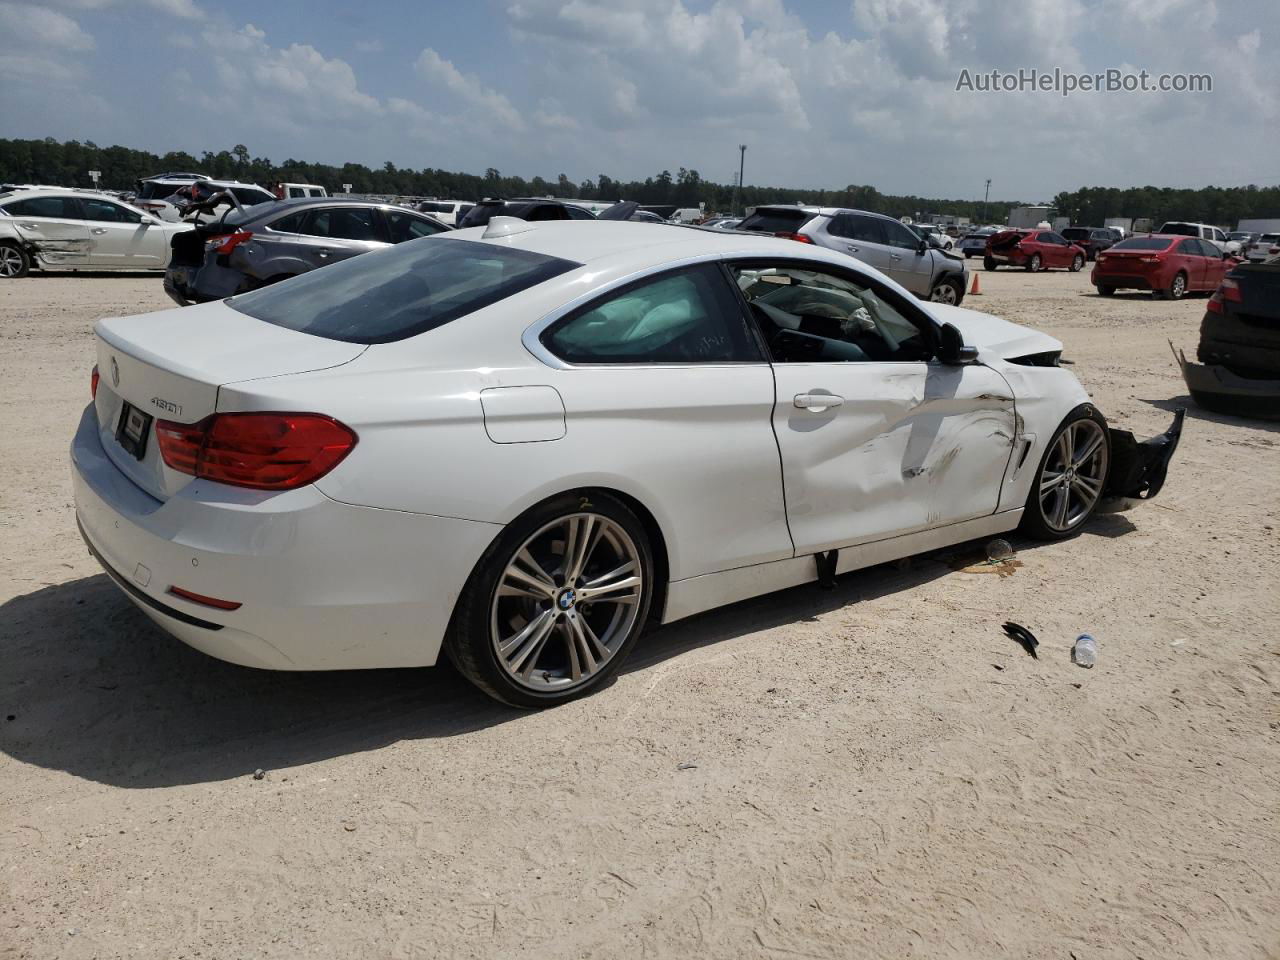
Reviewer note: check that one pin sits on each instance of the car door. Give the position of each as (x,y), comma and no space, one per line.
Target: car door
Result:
(121,238)
(1188,256)
(54,228)
(908,263)
(877,437)
(862,237)
(330,234)
(1215,265)
(670,361)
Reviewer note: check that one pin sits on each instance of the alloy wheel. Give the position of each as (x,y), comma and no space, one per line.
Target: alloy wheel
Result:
(1073,476)
(10,262)
(566,602)
(1179,287)
(944,292)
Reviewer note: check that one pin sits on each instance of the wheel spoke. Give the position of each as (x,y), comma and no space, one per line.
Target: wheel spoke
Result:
(1088,450)
(580,653)
(1060,508)
(1089,486)
(1067,445)
(611,584)
(521,650)
(584,534)
(525,571)
(1049,480)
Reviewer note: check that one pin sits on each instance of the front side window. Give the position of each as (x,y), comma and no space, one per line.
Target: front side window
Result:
(342,223)
(1190,247)
(400,292)
(295,192)
(404,226)
(867,229)
(689,316)
(809,316)
(104,210)
(900,236)
(60,208)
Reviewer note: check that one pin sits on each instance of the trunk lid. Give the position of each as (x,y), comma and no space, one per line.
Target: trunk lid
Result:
(169,366)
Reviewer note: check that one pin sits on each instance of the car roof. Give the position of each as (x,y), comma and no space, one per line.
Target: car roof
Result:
(639,245)
(62,192)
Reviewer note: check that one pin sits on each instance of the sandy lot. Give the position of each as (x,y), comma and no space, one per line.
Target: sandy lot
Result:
(876,771)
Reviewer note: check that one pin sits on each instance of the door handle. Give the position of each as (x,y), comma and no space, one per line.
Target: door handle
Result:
(817,402)
(322,253)
(895,256)
(29,226)
(851,248)
(98,230)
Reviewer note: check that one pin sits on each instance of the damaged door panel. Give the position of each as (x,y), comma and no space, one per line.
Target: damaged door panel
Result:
(908,446)
(51,229)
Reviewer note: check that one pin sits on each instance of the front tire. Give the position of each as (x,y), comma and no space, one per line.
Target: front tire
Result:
(14,262)
(988,263)
(1177,288)
(1077,263)
(556,603)
(1071,477)
(947,290)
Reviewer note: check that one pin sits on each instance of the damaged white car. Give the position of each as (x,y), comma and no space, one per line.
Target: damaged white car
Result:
(53,229)
(520,444)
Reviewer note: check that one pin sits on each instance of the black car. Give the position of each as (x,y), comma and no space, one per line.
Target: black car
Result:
(1093,239)
(522,209)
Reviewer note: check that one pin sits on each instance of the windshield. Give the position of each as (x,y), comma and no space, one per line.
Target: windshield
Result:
(401,291)
(1143,243)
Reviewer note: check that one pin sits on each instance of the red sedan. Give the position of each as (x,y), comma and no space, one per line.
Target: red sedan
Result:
(1033,250)
(1168,265)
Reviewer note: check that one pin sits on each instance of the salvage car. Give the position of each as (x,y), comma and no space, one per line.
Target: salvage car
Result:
(153,193)
(518,446)
(1265,247)
(879,241)
(260,245)
(59,229)
(1239,348)
(1033,250)
(1169,265)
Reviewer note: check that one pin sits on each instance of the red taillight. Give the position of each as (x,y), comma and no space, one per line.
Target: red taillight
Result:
(93,383)
(794,236)
(265,451)
(226,242)
(206,601)
(1227,290)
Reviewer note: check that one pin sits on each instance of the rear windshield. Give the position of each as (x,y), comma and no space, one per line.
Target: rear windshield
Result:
(401,291)
(1181,229)
(1076,233)
(772,220)
(151,190)
(1269,238)
(1143,243)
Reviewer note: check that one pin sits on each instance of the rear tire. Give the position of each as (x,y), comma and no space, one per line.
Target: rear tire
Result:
(1105,291)
(1033,265)
(1071,478)
(536,625)
(14,262)
(1177,288)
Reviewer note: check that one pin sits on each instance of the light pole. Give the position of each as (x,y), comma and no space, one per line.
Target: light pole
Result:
(742,160)
(986,193)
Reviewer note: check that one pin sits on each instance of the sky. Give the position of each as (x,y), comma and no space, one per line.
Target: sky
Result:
(823,93)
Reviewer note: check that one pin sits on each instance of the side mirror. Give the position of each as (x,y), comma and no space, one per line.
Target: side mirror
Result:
(952,349)
(922,247)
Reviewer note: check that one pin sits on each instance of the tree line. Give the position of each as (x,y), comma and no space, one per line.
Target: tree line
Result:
(50,161)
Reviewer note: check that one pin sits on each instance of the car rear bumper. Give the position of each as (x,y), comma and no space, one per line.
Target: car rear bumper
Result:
(187,284)
(322,585)
(1126,281)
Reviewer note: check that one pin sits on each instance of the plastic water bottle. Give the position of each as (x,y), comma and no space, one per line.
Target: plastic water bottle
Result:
(1085,652)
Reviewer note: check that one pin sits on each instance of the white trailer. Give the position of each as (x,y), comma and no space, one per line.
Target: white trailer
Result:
(1028,218)
(1259,226)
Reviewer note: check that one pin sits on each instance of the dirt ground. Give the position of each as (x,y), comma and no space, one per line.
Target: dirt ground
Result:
(870,772)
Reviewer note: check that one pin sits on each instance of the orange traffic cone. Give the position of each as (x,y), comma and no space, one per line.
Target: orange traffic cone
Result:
(976,289)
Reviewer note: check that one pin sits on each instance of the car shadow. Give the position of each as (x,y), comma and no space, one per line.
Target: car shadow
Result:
(93,688)
(1197,412)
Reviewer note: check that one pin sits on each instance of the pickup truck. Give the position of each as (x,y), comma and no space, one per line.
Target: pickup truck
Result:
(1239,351)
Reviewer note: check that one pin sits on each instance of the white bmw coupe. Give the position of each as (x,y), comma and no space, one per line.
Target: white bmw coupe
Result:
(525,442)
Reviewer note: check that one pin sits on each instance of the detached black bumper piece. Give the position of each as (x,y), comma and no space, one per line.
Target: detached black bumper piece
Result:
(1221,390)
(1138,469)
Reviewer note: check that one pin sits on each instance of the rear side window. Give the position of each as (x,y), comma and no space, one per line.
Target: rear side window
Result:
(399,292)
(290,224)
(405,226)
(95,209)
(342,223)
(63,208)
(1191,247)
(774,220)
(1143,243)
(1207,249)
(296,192)
(689,316)
(316,192)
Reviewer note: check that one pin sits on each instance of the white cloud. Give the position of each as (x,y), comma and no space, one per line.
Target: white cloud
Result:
(441,73)
(24,25)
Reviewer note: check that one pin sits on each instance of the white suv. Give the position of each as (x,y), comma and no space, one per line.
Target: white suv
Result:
(1204,231)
